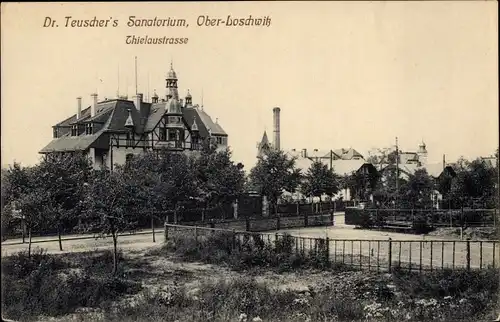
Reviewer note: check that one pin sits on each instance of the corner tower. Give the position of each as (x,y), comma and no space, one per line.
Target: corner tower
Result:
(172,91)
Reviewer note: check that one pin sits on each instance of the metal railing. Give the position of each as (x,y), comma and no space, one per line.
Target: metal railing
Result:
(378,255)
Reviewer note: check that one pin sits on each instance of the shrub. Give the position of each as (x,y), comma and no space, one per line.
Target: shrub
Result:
(43,285)
(241,299)
(249,250)
(20,265)
(420,224)
(473,290)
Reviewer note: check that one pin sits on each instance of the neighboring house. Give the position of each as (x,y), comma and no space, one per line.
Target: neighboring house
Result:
(406,158)
(490,161)
(435,170)
(344,162)
(112,130)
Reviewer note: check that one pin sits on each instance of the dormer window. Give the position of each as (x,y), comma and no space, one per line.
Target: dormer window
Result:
(55,133)
(74,130)
(88,128)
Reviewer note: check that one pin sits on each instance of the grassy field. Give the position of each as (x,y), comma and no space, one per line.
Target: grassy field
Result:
(185,280)
(211,280)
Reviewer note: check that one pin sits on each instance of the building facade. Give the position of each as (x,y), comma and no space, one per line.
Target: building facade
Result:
(112,130)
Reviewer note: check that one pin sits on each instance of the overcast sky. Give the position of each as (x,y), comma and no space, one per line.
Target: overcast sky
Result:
(353,74)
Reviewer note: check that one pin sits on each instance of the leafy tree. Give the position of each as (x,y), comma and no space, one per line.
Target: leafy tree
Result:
(24,192)
(62,178)
(273,174)
(319,181)
(386,191)
(475,181)
(219,180)
(418,189)
(145,172)
(109,200)
(164,180)
(362,183)
(16,182)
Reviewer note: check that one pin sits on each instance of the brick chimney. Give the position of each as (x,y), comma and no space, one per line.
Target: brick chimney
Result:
(138,101)
(78,108)
(276,119)
(93,108)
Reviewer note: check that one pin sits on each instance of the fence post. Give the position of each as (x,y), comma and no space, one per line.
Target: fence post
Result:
(468,255)
(234,240)
(390,254)
(494,244)
(278,222)
(306,219)
(432,250)
(331,218)
(153,229)
(327,250)
(247,224)
(166,231)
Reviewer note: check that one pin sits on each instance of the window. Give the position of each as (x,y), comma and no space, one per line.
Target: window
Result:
(129,139)
(88,128)
(74,130)
(163,134)
(174,120)
(172,135)
(55,133)
(219,140)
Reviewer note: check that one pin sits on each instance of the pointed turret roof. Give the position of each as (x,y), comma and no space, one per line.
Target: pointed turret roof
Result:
(171,73)
(265,140)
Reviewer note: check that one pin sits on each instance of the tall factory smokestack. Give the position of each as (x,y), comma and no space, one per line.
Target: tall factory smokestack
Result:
(276,121)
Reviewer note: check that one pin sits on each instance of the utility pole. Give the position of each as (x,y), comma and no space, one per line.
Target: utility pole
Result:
(331,159)
(397,171)
(136,75)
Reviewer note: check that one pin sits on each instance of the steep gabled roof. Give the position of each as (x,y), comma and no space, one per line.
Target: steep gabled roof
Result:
(155,114)
(70,143)
(72,119)
(209,124)
(348,154)
(323,154)
(113,115)
(346,167)
(433,169)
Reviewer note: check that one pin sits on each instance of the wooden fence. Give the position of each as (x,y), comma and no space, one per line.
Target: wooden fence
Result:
(378,255)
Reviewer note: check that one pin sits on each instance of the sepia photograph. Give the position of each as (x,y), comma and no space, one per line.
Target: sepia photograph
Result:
(250,161)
